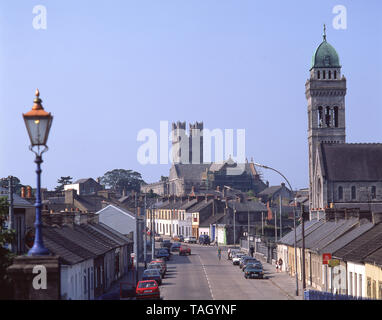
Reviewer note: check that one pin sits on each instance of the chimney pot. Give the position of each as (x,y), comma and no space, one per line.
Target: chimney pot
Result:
(22,192)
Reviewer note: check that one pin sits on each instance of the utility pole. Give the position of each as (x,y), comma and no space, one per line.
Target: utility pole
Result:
(262,223)
(145,237)
(151,234)
(14,247)
(303,246)
(248,227)
(234,224)
(281,229)
(275,217)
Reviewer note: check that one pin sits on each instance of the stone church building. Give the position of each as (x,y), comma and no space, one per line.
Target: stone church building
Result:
(341,175)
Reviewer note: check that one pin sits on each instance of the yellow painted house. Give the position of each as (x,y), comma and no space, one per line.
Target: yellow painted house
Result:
(373,273)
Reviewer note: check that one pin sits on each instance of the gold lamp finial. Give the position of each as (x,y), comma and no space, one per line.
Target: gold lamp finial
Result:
(37,93)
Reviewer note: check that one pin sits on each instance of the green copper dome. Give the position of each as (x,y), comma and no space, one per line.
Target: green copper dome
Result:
(325,56)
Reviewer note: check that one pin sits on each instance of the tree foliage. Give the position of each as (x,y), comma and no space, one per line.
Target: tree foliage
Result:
(6,256)
(121,179)
(62,182)
(4,182)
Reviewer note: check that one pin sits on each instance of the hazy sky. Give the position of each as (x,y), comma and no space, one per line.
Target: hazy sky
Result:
(107,69)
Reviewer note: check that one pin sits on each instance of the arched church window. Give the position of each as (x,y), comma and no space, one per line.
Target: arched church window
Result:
(318,74)
(320,117)
(327,117)
(330,74)
(353,193)
(340,193)
(323,75)
(335,74)
(336,117)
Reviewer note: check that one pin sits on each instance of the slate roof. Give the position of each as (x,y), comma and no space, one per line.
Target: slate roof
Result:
(200,206)
(352,162)
(84,240)
(189,171)
(310,226)
(270,191)
(361,247)
(375,257)
(114,234)
(347,238)
(17,200)
(211,220)
(252,206)
(59,242)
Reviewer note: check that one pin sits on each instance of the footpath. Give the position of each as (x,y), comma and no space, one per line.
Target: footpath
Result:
(282,279)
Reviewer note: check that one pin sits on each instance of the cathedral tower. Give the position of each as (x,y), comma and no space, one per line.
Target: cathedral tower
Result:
(325,92)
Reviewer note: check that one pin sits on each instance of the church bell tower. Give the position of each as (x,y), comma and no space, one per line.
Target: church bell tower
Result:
(325,92)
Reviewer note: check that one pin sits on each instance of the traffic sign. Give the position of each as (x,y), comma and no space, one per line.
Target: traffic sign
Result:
(326,257)
(333,263)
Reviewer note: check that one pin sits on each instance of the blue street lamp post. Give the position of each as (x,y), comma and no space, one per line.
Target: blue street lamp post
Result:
(38,123)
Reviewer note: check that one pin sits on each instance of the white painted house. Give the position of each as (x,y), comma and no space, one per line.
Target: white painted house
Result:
(118,219)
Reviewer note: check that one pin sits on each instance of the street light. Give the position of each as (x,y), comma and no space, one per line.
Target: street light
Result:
(234,218)
(294,219)
(38,123)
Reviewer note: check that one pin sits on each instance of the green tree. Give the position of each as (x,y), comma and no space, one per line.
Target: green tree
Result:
(6,256)
(16,184)
(120,179)
(62,182)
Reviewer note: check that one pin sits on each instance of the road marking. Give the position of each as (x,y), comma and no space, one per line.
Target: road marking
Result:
(208,281)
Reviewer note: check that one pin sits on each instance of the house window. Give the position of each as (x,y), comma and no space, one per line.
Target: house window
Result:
(355,284)
(373,192)
(350,283)
(340,193)
(379,290)
(374,290)
(85,286)
(353,193)
(360,285)
(368,287)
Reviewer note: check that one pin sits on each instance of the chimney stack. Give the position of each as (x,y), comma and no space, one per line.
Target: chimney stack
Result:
(29,192)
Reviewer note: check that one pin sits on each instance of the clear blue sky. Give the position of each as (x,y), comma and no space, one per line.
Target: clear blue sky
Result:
(107,69)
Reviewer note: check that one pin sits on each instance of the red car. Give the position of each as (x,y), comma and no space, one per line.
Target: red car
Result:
(147,289)
(183,250)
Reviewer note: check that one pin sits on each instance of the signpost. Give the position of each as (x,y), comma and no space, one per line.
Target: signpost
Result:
(326,257)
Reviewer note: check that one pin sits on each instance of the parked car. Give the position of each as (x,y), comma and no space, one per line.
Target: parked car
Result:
(162,263)
(242,260)
(254,271)
(231,251)
(176,238)
(236,258)
(175,247)
(246,261)
(183,250)
(147,289)
(190,240)
(163,253)
(166,244)
(155,265)
(152,274)
(204,239)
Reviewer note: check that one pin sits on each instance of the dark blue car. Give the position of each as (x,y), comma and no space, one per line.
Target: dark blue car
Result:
(152,274)
(163,253)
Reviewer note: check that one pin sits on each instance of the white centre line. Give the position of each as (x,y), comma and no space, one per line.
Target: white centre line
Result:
(208,281)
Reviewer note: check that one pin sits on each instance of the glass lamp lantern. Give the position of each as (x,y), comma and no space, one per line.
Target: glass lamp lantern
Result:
(38,123)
